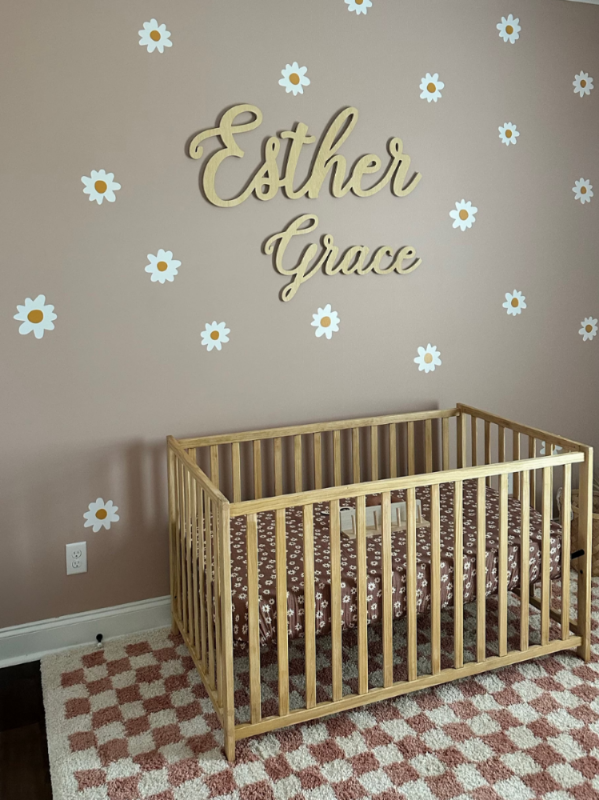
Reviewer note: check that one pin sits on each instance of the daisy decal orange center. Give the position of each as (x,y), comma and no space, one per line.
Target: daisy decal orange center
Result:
(515,302)
(509,30)
(161,266)
(583,190)
(589,328)
(431,88)
(428,358)
(583,84)
(101,513)
(294,78)
(35,316)
(214,335)
(100,187)
(325,322)
(155,36)
(463,214)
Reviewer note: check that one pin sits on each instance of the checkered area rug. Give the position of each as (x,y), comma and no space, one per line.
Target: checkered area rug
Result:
(132,720)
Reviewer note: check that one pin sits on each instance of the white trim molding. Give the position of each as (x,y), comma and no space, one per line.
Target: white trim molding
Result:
(33,640)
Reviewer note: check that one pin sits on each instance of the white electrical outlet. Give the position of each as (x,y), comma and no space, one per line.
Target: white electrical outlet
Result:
(76,558)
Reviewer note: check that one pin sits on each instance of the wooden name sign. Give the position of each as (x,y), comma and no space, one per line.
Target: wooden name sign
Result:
(327,163)
(353,262)
(267,179)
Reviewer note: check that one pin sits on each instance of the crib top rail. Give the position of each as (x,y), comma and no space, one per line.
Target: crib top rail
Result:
(526,430)
(397,484)
(317,427)
(207,485)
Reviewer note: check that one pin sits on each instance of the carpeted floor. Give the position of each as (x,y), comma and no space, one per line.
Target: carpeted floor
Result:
(132,720)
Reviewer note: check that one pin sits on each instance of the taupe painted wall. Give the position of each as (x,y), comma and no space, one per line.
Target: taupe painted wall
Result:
(86,408)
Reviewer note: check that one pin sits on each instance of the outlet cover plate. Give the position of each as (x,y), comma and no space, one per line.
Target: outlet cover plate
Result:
(76,558)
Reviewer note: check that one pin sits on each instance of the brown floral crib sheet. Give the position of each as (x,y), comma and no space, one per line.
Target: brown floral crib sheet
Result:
(322,562)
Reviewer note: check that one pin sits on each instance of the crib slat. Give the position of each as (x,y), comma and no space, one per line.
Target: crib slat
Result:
(393,450)
(236,462)
(337,456)
(549,451)
(184,526)
(278,454)
(194,568)
(411,454)
(257,469)
(214,469)
(209,590)
(217,604)
(488,446)
(566,524)
(297,461)
(188,544)
(445,437)
(458,573)
(532,450)
(202,577)
(282,627)
(411,584)
(545,555)
(336,652)
(254,618)
(501,443)
(516,457)
(428,445)
(481,569)
(309,607)
(502,565)
(355,451)
(474,439)
(318,461)
(362,596)
(387,586)
(461,441)
(524,559)
(435,580)
(374,452)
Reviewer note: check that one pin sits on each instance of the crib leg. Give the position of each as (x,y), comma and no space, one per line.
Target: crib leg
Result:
(230,746)
(174,626)
(585,532)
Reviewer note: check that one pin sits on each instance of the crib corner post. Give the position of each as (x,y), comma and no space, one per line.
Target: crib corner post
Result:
(585,531)
(172,529)
(226,655)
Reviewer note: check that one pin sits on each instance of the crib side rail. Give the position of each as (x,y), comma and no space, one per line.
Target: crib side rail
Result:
(505,649)
(200,574)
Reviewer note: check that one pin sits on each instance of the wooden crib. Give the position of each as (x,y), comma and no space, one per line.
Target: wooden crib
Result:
(214,480)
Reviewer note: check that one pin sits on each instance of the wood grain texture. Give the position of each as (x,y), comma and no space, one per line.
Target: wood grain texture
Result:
(458,573)
(362,595)
(502,567)
(435,580)
(411,585)
(387,586)
(309,607)
(481,568)
(254,618)
(282,628)
(566,549)
(525,559)
(336,648)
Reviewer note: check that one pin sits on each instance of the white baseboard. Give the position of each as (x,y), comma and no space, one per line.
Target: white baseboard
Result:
(30,642)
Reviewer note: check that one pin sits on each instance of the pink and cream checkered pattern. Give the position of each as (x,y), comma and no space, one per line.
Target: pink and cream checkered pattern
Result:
(133,721)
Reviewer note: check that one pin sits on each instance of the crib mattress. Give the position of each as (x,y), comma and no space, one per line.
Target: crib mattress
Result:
(322,562)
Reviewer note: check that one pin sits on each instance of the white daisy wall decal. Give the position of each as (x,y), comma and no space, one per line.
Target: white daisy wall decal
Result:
(583,191)
(326,322)
(509,28)
(430,87)
(36,316)
(294,78)
(163,267)
(215,335)
(508,133)
(359,6)
(101,515)
(463,215)
(589,329)
(154,36)
(100,186)
(428,358)
(582,83)
(514,303)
